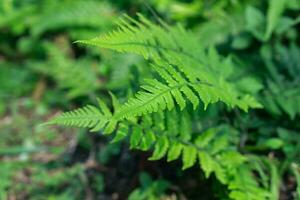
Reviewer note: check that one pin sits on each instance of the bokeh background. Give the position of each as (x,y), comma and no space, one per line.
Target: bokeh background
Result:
(43,73)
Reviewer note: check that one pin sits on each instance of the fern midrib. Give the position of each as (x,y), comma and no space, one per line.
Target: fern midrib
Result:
(65,119)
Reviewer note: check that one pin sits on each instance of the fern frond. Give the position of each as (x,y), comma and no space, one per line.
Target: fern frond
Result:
(245,186)
(216,156)
(188,74)
(88,117)
(173,44)
(147,39)
(180,60)
(212,148)
(177,89)
(215,153)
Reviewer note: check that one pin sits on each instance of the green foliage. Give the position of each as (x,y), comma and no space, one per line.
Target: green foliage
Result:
(177,84)
(152,41)
(90,117)
(149,189)
(210,85)
(63,69)
(185,76)
(73,14)
(216,97)
(295,169)
(282,95)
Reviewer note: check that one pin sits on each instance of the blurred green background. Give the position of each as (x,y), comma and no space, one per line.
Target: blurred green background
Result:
(43,72)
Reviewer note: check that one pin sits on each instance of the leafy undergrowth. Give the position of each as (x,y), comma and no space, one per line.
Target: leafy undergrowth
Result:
(60,164)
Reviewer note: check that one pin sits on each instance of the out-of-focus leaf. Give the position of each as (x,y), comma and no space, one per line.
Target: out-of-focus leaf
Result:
(255,22)
(275,10)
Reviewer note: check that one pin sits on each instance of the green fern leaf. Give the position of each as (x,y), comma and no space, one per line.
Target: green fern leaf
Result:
(189,156)
(86,117)
(206,163)
(147,140)
(276,8)
(160,149)
(121,133)
(244,186)
(174,151)
(135,137)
